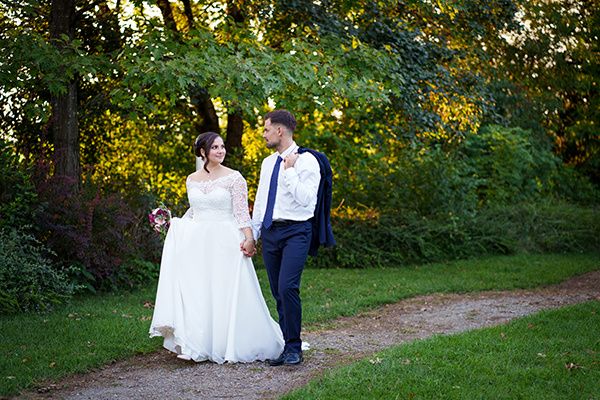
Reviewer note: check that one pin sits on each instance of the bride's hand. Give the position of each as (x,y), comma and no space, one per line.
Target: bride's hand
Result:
(248,247)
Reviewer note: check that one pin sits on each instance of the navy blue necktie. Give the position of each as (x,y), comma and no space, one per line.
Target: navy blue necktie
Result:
(268,219)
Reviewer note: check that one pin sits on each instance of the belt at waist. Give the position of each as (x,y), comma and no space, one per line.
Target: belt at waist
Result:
(286,222)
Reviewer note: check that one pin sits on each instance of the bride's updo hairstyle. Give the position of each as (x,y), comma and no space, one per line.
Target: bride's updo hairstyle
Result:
(204,141)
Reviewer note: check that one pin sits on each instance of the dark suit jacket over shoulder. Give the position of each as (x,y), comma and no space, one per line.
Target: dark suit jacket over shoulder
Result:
(322,234)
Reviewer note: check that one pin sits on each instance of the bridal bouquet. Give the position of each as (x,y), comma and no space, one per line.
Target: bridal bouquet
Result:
(160,219)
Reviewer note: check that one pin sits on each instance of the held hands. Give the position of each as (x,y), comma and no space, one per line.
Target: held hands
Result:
(248,247)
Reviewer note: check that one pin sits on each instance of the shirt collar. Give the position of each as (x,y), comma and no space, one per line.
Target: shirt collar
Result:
(293,147)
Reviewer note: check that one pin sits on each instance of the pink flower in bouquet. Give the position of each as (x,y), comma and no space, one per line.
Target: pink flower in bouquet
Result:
(160,219)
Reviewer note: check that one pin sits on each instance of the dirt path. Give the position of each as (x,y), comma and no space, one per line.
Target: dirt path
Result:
(162,376)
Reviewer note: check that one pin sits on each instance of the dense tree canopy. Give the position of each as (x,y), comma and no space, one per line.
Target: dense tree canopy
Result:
(119,89)
(548,71)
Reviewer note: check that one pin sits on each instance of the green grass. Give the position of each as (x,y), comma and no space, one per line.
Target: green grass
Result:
(550,355)
(94,331)
(89,332)
(330,293)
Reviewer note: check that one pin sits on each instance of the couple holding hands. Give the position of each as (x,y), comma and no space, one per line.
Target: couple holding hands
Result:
(209,305)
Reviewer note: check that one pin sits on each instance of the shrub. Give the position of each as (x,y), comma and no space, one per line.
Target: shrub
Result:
(92,233)
(400,239)
(397,240)
(136,273)
(95,230)
(576,187)
(492,194)
(28,281)
(495,167)
(430,182)
(510,165)
(541,227)
(18,198)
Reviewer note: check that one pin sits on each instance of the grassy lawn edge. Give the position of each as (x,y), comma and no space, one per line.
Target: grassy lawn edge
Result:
(95,331)
(553,354)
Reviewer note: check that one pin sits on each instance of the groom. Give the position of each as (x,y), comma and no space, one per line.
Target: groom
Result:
(285,201)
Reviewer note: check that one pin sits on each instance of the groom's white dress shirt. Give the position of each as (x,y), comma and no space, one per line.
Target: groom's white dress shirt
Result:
(297,189)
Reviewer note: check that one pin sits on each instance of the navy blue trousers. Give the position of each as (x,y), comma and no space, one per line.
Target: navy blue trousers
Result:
(284,250)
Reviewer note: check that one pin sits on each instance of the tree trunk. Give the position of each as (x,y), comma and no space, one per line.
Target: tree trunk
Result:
(167,14)
(199,97)
(65,127)
(187,9)
(235,128)
(204,106)
(233,140)
(234,11)
(235,117)
(66,134)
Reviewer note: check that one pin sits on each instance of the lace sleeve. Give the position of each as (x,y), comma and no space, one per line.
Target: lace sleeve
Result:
(239,195)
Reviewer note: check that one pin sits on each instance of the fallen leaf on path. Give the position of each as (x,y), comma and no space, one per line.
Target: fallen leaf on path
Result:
(46,389)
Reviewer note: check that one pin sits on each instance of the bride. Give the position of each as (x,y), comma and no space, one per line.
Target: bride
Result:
(209,305)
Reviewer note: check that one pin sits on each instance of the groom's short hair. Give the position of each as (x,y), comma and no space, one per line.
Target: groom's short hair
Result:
(282,117)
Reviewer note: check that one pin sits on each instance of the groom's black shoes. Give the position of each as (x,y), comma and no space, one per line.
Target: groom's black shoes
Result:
(287,359)
(292,359)
(278,361)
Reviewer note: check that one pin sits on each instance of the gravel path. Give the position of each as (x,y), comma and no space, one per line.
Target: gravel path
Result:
(161,375)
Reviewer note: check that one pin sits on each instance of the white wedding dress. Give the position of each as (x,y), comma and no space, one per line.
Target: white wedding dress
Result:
(209,305)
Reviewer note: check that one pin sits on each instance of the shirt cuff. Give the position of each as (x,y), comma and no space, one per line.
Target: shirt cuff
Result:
(255,232)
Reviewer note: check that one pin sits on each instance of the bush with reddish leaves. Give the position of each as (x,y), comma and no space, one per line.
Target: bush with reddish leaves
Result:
(93,229)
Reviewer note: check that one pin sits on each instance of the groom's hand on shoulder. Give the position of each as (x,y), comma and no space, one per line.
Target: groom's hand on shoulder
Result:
(290,160)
